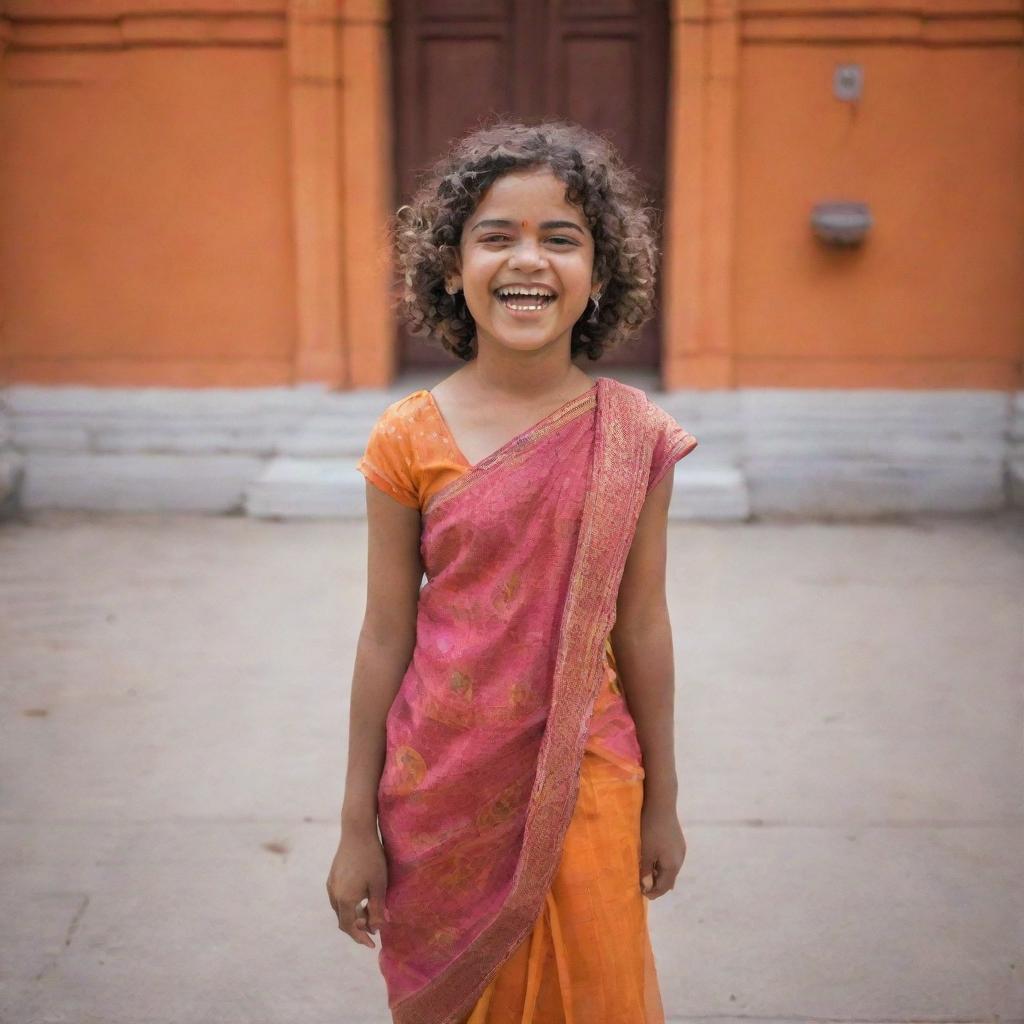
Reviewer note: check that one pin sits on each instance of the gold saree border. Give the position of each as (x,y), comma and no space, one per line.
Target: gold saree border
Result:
(612,504)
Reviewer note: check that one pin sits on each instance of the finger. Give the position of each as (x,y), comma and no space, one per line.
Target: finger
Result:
(363,918)
(362,922)
(646,874)
(355,930)
(361,935)
(377,912)
(664,881)
(345,915)
(354,926)
(650,885)
(350,914)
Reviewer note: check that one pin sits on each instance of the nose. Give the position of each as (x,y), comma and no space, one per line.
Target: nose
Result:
(527,256)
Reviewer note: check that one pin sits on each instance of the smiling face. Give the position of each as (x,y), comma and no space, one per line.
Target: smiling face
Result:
(526,261)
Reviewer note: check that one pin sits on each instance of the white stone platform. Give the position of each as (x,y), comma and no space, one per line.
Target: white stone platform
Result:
(291,452)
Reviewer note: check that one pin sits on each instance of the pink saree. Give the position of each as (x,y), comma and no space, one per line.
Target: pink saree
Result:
(523,555)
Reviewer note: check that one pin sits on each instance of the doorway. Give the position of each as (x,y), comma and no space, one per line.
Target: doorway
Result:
(600,63)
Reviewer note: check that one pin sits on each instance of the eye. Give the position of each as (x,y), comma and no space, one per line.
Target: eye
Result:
(562,240)
(494,238)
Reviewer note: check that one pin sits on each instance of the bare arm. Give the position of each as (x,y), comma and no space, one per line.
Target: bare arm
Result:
(642,641)
(386,642)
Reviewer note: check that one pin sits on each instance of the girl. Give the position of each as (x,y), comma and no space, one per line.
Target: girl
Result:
(511,721)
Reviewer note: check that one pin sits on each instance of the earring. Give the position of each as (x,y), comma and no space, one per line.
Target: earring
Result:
(596,299)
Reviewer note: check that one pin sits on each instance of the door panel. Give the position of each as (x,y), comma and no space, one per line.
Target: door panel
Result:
(601,63)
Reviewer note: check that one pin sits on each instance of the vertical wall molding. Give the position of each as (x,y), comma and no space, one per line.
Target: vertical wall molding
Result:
(313,79)
(698,342)
(339,102)
(367,191)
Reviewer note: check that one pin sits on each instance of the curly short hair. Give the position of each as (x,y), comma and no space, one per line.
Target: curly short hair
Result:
(426,232)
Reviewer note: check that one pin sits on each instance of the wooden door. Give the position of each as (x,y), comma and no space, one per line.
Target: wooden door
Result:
(600,63)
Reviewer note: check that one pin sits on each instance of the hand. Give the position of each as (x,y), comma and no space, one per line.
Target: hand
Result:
(662,850)
(356,886)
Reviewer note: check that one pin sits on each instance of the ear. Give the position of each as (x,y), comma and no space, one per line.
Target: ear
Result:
(453,279)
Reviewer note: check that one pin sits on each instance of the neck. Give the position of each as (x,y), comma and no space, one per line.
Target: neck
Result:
(500,370)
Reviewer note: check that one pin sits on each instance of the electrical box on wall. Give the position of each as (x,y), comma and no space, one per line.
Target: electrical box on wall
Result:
(848,82)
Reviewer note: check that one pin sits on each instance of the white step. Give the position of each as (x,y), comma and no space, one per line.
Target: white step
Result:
(137,483)
(295,488)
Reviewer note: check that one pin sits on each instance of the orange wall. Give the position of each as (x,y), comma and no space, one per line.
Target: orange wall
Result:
(145,199)
(935,298)
(187,190)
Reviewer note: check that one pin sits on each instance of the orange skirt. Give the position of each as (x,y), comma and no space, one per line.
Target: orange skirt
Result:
(588,957)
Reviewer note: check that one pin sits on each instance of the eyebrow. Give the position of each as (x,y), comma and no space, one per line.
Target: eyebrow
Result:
(546,226)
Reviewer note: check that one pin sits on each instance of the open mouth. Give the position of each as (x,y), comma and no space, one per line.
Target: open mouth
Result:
(525,299)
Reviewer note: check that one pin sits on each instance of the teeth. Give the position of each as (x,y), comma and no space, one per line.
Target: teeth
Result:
(517,297)
(507,293)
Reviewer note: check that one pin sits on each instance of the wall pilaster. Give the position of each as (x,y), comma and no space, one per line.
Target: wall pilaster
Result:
(366,193)
(698,337)
(313,85)
(341,174)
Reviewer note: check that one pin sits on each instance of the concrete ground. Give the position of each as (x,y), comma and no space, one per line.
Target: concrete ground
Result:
(849,720)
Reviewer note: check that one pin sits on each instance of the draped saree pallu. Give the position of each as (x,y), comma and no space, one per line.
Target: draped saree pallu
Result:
(523,555)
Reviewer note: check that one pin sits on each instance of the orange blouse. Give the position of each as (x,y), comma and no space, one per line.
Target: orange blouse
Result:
(411,455)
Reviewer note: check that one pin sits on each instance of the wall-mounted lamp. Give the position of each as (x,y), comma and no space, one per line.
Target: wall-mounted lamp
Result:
(841,223)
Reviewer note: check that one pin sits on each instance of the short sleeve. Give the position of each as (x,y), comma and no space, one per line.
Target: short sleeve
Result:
(388,459)
(671,443)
